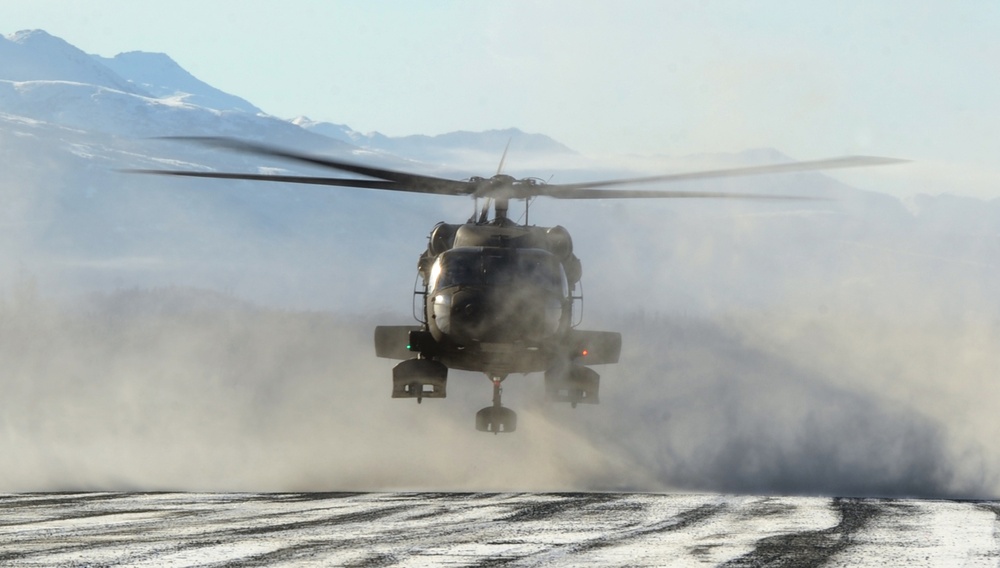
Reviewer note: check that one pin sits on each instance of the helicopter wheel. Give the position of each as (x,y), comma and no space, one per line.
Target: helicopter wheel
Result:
(496,419)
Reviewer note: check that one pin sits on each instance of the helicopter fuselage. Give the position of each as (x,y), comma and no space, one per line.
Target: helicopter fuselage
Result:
(498,298)
(495,309)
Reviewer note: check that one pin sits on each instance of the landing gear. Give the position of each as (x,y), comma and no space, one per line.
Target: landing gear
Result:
(496,418)
(566,381)
(419,379)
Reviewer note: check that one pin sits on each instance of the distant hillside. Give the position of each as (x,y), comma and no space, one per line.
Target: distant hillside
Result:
(162,77)
(34,55)
(460,147)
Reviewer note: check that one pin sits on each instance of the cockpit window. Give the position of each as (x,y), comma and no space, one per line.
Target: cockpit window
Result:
(499,267)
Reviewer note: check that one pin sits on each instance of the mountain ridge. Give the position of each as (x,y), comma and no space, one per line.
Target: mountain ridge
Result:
(162,77)
(35,55)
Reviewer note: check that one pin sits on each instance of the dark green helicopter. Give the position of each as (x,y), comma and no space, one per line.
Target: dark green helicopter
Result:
(498,296)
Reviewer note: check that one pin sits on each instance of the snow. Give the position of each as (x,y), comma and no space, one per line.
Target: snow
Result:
(174,529)
(162,77)
(927,533)
(35,55)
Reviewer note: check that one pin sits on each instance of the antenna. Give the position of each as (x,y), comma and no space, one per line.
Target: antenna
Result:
(485,214)
(499,205)
(475,209)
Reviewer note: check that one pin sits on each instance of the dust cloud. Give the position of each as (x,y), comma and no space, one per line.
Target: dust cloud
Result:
(187,389)
(728,406)
(847,348)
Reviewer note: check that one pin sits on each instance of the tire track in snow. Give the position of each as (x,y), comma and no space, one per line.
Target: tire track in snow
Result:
(374,530)
(811,548)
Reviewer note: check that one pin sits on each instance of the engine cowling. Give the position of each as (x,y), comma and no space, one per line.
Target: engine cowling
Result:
(442,238)
(559,242)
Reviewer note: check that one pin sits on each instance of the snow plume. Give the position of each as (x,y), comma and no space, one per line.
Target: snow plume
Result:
(845,352)
(727,406)
(187,389)
(193,390)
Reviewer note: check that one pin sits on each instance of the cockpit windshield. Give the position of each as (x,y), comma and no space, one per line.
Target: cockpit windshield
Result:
(484,266)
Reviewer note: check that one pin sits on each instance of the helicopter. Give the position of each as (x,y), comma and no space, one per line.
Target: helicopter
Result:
(499,297)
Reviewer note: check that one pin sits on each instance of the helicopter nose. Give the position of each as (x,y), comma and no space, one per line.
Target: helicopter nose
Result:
(472,315)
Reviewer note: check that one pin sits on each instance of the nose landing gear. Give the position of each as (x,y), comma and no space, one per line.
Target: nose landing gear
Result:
(496,418)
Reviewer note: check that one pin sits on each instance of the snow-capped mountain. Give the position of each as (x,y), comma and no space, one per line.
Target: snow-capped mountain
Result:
(161,77)
(33,55)
(48,80)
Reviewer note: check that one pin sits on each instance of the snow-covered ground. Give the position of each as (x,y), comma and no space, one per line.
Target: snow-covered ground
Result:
(469,529)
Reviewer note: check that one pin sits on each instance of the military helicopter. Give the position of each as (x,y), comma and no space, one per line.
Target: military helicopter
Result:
(498,297)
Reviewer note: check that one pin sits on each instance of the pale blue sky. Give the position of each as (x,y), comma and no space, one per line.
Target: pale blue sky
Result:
(911,79)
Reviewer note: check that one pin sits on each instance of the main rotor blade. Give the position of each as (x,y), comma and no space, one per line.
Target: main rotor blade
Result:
(411,182)
(497,188)
(342,182)
(590,193)
(827,164)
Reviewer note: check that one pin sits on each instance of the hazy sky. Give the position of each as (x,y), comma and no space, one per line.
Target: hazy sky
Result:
(899,78)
